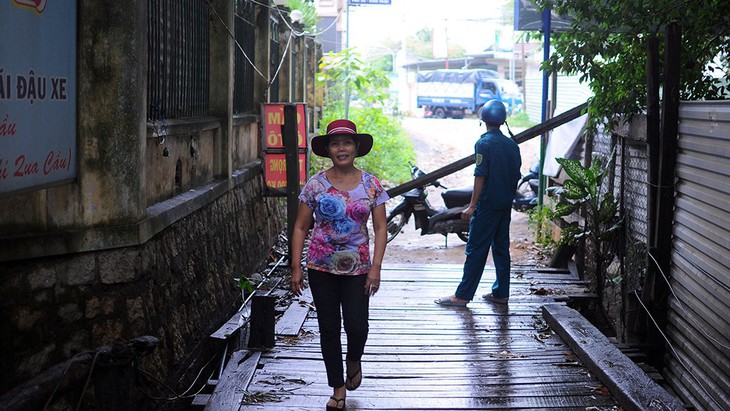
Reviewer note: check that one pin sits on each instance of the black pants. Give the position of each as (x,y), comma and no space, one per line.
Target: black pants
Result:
(332,292)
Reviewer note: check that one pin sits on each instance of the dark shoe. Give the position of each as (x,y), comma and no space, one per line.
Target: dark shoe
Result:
(337,403)
(492,299)
(349,384)
(448,302)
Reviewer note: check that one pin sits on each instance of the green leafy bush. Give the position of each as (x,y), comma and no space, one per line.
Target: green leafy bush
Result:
(539,225)
(585,189)
(520,119)
(344,74)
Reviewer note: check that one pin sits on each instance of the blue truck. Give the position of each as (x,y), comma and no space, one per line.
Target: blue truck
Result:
(454,93)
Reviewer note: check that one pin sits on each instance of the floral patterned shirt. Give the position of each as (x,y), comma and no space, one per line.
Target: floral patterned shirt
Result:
(339,242)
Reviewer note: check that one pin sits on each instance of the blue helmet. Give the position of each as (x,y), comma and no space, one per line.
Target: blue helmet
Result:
(493,113)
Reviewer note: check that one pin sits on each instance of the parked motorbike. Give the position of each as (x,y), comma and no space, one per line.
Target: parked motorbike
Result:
(426,218)
(527,189)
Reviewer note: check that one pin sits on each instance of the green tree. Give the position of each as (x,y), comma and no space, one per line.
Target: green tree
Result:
(368,87)
(606,46)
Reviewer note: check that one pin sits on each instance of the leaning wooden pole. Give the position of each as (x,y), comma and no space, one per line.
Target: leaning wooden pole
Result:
(664,212)
(526,135)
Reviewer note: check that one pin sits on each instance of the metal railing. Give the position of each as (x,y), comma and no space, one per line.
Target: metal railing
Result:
(245,32)
(178,58)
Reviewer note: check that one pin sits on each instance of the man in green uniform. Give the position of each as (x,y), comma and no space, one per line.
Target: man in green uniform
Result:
(497,171)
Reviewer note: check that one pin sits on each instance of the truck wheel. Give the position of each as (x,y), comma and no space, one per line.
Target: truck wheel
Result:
(439,113)
(463,236)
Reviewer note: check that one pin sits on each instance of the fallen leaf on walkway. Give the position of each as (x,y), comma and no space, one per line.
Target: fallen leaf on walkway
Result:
(546,291)
(600,390)
(507,354)
(258,397)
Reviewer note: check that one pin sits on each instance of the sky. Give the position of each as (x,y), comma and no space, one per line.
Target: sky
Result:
(470,23)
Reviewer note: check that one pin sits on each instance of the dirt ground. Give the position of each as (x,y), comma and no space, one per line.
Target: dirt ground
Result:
(439,142)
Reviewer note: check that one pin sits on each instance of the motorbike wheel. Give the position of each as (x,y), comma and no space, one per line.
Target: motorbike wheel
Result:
(463,236)
(395,224)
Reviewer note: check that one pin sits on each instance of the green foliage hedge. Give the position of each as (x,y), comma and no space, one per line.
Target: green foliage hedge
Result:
(344,75)
(392,148)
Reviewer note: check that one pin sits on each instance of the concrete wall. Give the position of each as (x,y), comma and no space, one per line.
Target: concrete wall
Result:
(142,242)
(178,287)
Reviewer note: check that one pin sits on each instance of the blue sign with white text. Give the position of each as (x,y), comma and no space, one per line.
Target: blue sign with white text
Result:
(37,94)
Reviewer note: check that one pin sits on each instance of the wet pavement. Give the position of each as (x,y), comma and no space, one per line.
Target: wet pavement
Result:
(421,356)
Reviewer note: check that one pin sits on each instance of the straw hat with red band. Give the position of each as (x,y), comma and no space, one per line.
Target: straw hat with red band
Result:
(342,128)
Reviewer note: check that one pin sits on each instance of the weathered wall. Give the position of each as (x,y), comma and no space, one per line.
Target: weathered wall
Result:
(142,242)
(185,160)
(244,148)
(178,287)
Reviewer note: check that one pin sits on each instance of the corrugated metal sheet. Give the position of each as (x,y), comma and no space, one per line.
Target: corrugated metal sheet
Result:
(698,364)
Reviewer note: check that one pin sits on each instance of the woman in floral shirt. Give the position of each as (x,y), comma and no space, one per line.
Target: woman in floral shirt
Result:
(339,202)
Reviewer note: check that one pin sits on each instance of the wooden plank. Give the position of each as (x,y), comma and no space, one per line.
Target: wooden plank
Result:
(631,386)
(236,321)
(228,394)
(291,321)
(200,400)
(469,401)
(442,382)
(420,356)
(230,327)
(446,390)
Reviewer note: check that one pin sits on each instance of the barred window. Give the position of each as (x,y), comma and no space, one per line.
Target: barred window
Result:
(245,31)
(178,59)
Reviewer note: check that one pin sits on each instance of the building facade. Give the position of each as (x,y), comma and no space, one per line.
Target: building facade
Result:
(168,204)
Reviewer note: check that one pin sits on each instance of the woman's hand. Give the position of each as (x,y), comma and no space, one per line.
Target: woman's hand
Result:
(297,281)
(380,226)
(372,284)
(301,227)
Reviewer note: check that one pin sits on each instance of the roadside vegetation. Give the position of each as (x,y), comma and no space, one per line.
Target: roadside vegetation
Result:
(345,75)
(521,120)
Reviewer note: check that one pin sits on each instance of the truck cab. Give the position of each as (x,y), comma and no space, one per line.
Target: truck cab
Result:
(503,90)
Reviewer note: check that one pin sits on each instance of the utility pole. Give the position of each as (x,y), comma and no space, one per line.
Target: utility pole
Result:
(544,116)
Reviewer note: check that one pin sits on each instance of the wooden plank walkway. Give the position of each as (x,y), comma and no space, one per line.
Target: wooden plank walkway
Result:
(421,356)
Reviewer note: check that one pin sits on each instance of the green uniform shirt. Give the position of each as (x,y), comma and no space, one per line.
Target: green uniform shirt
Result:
(498,160)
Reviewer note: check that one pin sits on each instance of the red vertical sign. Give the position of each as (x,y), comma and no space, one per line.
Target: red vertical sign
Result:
(274,161)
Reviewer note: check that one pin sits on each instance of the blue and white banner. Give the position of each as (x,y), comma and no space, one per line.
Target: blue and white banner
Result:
(37,93)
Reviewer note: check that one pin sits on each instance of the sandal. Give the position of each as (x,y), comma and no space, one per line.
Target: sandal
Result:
(349,385)
(448,302)
(337,402)
(490,298)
